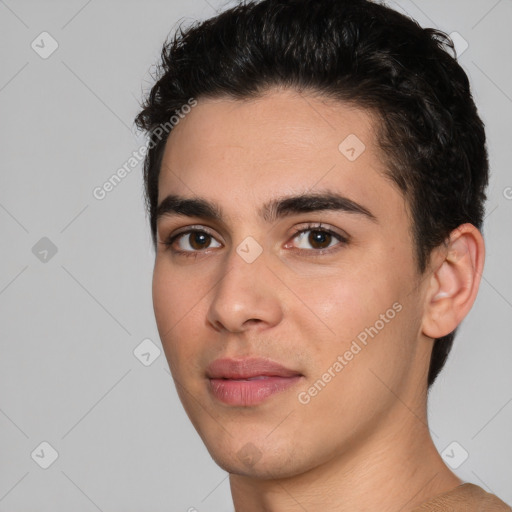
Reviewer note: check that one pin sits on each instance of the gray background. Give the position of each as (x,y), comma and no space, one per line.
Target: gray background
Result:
(70,323)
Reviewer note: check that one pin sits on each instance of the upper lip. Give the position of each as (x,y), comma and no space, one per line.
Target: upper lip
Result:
(246,368)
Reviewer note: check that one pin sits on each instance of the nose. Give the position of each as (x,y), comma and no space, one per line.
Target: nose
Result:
(245,296)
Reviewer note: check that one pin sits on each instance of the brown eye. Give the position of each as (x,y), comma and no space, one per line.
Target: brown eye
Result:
(316,238)
(319,239)
(199,240)
(192,241)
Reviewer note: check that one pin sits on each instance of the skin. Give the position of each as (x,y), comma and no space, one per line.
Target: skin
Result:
(363,442)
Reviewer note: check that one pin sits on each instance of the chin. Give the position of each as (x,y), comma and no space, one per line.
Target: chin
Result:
(247,459)
(262,470)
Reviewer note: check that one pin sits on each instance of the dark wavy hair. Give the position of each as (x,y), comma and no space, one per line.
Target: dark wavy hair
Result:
(432,138)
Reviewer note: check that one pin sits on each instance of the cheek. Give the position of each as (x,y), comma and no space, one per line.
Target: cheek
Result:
(361,313)
(165,300)
(177,292)
(178,303)
(338,305)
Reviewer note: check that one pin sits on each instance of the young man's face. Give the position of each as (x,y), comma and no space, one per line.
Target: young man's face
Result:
(341,311)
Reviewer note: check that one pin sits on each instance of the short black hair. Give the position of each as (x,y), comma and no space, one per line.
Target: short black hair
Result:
(357,51)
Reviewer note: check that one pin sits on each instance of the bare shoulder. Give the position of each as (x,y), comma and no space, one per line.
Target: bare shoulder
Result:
(465,498)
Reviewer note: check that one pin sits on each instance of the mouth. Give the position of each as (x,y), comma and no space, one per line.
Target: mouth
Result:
(250,381)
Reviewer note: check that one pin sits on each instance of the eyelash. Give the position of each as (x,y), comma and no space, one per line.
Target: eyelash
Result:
(343,240)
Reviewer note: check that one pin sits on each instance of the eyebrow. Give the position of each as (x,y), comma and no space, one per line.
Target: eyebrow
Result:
(270,211)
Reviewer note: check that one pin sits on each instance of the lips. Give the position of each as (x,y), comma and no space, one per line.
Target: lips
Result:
(249,382)
(249,368)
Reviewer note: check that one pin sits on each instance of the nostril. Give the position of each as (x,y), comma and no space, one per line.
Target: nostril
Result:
(252,320)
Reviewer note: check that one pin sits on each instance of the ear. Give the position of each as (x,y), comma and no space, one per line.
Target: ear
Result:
(453,285)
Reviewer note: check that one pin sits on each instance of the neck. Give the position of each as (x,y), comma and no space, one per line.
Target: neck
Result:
(394,469)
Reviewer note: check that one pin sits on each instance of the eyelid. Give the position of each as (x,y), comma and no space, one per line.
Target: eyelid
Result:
(187,230)
(343,238)
(193,227)
(320,226)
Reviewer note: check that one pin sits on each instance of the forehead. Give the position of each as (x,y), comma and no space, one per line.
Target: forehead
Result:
(239,153)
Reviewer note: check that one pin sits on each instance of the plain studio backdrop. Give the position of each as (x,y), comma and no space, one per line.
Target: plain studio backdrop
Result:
(89,416)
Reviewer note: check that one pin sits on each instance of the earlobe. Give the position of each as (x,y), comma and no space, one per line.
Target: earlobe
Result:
(453,286)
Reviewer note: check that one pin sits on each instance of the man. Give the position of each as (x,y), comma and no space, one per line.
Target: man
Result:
(315,181)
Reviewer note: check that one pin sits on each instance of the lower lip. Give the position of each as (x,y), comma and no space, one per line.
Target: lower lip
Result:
(250,392)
